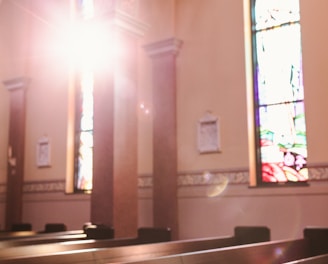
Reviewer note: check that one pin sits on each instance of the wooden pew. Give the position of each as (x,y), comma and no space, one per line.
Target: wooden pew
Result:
(17,230)
(21,227)
(102,235)
(136,252)
(268,252)
(54,233)
(24,231)
(42,238)
(7,235)
(317,238)
(313,249)
(145,235)
(320,259)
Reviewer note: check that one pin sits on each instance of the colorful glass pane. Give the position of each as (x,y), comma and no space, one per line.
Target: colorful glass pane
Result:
(279,89)
(283,142)
(85,163)
(85,159)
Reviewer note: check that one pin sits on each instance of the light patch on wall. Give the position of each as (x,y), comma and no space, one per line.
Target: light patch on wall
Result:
(144,108)
(218,188)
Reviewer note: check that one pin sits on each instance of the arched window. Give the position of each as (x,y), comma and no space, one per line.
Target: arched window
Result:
(278,118)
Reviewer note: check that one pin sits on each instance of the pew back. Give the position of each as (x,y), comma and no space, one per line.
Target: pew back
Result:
(129,253)
(265,252)
(16,234)
(321,259)
(312,249)
(64,253)
(317,238)
(41,238)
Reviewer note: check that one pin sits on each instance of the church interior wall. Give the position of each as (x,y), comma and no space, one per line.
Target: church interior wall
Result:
(213,191)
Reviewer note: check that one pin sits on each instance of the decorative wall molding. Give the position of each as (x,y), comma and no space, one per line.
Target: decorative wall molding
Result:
(16,83)
(130,7)
(233,176)
(213,178)
(166,46)
(129,23)
(44,186)
(121,13)
(317,173)
(145,181)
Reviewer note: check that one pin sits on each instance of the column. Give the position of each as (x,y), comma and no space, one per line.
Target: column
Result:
(114,200)
(165,204)
(15,167)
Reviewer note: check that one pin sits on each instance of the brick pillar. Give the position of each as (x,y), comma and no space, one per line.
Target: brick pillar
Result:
(165,208)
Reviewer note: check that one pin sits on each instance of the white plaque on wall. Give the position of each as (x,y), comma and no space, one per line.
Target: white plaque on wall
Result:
(208,134)
(43,152)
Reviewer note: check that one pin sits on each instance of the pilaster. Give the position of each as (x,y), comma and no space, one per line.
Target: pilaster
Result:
(114,200)
(165,205)
(15,166)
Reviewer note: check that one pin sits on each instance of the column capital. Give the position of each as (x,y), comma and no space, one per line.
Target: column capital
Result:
(121,13)
(16,83)
(166,46)
(107,6)
(128,23)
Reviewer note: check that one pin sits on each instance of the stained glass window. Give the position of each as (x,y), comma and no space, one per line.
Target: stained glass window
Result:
(84,112)
(84,135)
(279,92)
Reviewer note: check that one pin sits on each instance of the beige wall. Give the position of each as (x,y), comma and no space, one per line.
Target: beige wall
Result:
(286,211)
(210,77)
(315,58)
(31,49)
(12,66)
(55,207)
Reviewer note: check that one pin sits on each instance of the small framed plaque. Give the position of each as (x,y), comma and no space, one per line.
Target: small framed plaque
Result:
(43,152)
(208,134)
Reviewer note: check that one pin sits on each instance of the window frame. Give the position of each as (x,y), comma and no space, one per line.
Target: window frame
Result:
(78,18)
(253,103)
